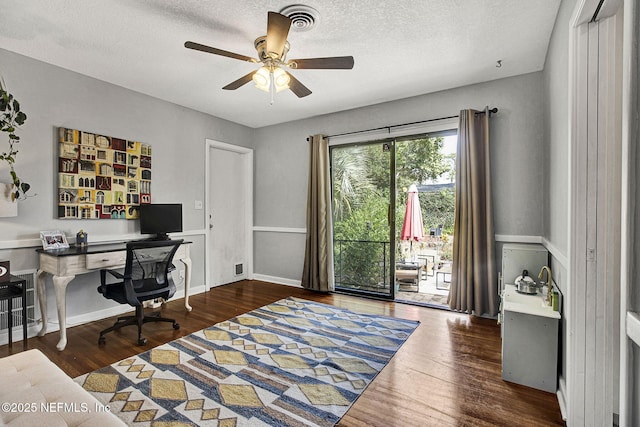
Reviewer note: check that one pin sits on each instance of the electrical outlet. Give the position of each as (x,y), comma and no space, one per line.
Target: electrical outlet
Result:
(197,204)
(181,275)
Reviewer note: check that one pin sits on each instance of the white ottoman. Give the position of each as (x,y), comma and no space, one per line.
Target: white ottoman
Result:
(35,392)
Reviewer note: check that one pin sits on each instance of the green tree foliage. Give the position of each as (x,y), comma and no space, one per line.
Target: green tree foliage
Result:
(369,222)
(438,209)
(362,244)
(417,161)
(351,181)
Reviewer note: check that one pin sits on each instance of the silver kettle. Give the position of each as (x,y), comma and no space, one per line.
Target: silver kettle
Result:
(525,284)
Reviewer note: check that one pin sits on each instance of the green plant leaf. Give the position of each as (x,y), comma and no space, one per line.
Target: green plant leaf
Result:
(10,119)
(20,118)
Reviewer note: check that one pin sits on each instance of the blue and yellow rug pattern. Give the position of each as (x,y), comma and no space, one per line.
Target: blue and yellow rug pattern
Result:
(290,363)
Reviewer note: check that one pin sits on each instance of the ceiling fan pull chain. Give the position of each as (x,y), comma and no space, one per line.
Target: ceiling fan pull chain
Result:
(272,87)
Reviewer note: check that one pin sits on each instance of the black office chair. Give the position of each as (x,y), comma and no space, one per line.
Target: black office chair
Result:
(147,276)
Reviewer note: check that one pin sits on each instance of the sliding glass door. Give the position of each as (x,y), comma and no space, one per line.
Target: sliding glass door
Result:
(376,243)
(363,198)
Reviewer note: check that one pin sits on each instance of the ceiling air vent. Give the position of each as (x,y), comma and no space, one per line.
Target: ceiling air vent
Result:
(303,18)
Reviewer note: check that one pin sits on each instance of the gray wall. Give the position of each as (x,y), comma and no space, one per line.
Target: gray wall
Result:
(52,97)
(556,200)
(517,151)
(556,87)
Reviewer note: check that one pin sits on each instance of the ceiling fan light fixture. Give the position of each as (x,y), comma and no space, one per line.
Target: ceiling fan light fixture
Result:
(280,79)
(262,79)
(266,78)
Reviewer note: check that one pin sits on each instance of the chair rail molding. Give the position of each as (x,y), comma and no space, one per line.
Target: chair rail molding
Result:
(267,229)
(34,242)
(517,238)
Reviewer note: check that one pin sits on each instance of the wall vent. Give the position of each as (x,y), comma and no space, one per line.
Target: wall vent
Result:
(303,18)
(30,277)
(239,269)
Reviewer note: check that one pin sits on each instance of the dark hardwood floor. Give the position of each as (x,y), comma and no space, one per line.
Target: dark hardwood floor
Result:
(447,373)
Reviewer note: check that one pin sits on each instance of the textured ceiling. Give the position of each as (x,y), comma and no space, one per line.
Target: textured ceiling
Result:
(401,48)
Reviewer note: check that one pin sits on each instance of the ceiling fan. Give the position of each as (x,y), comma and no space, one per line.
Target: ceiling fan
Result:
(272,51)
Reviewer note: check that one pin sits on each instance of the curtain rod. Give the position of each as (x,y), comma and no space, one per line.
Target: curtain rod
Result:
(491,111)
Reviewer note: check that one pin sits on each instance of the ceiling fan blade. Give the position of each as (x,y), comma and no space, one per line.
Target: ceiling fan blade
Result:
(277,31)
(298,88)
(334,63)
(240,82)
(208,49)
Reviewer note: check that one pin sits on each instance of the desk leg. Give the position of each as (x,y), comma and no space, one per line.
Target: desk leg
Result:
(41,277)
(187,281)
(60,286)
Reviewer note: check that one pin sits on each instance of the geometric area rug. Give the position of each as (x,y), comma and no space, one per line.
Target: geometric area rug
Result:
(290,363)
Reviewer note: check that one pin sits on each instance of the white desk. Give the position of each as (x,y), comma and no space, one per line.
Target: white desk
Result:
(65,264)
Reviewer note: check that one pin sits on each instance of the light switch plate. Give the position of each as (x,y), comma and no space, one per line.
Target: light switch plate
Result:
(197,204)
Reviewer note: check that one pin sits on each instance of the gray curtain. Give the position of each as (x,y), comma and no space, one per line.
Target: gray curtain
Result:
(317,274)
(474,288)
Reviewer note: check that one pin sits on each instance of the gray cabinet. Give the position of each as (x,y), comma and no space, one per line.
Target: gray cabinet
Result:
(529,340)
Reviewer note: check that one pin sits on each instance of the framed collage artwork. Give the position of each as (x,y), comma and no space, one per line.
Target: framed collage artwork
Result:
(101,177)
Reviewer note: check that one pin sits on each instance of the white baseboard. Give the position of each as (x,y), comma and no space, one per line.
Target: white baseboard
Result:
(561,394)
(193,290)
(32,331)
(81,319)
(278,280)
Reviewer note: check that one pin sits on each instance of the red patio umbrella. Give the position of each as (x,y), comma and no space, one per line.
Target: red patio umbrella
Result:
(412,228)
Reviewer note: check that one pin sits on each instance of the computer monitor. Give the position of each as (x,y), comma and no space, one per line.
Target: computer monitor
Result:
(160,219)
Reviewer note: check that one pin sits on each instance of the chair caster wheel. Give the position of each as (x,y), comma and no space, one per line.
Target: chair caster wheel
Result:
(142,341)
(101,341)
(176,326)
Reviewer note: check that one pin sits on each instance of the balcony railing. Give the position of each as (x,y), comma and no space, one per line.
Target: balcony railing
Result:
(362,265)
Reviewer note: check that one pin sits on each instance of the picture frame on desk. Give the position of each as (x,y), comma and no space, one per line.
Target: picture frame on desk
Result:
(55,239)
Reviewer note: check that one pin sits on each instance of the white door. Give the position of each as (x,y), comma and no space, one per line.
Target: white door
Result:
(229,211)
(595,284)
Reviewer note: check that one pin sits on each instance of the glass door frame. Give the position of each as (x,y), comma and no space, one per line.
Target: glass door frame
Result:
(391,222)
(437,128)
